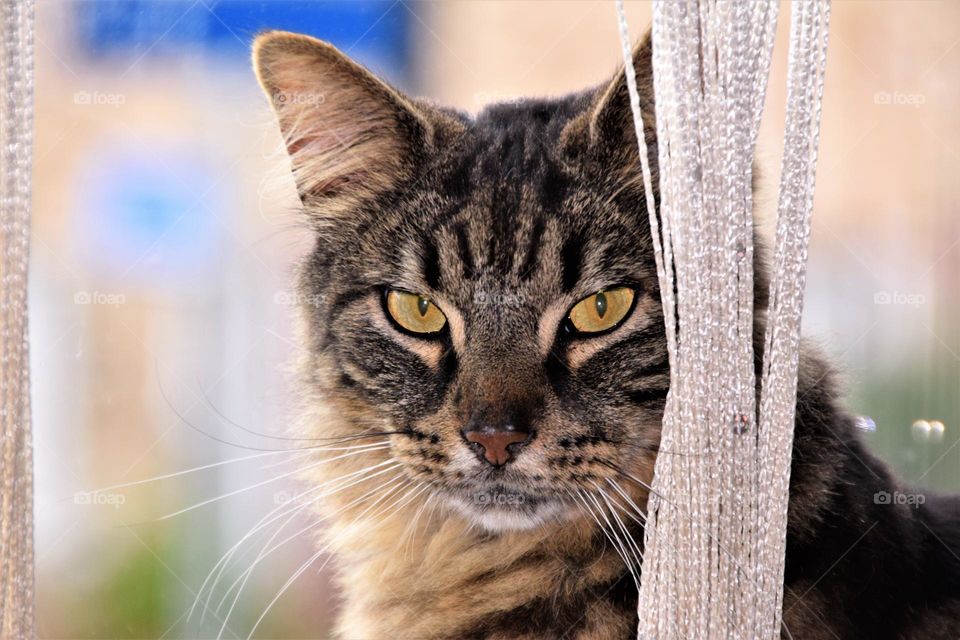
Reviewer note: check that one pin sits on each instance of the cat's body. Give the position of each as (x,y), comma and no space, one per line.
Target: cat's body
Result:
(504,222)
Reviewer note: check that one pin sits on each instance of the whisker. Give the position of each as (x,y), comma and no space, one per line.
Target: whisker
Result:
(374,446)
(264,553)
(410,530)
(636,509)
(638,481)
(579,493)
(267,520)
(220,414)
(296,575)
(307,453)
(188,423)
(652,448)
(277,532)
(258,484)
(621,547)
(175,474)
(740,568)
(213,465)
(638,555)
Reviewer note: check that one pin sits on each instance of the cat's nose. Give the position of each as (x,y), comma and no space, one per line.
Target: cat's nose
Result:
(498,446)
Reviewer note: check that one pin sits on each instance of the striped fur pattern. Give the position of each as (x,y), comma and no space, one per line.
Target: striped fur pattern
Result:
(505,221)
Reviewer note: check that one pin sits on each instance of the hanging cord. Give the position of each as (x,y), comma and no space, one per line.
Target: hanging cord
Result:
(810,21)
(724,512)
(16,455)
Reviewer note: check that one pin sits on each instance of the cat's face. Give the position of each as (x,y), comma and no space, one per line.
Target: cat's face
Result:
(485,287)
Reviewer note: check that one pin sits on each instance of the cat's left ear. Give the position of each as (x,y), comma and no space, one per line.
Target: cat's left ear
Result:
(606,125)
(350,135)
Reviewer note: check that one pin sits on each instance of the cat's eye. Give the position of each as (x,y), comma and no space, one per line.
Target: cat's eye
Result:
(602,311)
(414,313)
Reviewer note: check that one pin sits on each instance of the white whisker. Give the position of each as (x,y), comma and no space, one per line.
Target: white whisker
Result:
(639,513)
(267,520)
(410,530)
(631,543)
(299,572)
(273,536)
(366,447)
(258,484)
(266,552)
(175,474)
(746,574)
(612,535)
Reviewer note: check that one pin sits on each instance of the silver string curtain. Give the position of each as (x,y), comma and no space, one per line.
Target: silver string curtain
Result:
(16,464)
(715,534)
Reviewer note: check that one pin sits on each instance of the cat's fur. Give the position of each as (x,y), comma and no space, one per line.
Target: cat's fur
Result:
(505,220)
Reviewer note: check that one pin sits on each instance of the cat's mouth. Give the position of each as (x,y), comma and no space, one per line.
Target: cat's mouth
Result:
(500,507)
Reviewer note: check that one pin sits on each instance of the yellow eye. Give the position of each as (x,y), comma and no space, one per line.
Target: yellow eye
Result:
(414,313)
(602,311)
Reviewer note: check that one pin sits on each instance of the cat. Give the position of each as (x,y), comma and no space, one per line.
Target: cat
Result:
(485,372)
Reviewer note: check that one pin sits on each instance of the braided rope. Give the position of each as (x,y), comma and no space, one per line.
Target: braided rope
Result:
(16,465)
(716,524)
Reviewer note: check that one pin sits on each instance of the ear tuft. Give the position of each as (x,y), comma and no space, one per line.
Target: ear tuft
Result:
(350,136)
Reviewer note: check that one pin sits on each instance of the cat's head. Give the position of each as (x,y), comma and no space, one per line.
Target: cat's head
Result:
(484,287)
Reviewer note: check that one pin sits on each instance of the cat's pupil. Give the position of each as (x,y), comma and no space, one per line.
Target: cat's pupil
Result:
(423,305)
(601,303)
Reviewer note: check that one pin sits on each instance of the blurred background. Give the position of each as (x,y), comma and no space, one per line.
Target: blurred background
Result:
(165,232)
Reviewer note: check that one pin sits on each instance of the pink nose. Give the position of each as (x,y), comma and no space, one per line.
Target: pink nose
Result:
(496,443)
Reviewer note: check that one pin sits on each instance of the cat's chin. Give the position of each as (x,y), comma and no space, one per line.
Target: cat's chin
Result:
(502,516)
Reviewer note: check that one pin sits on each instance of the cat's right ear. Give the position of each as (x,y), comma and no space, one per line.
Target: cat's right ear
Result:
(350,136)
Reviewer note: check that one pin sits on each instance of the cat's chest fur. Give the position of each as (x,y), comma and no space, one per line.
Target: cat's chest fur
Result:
(451,582)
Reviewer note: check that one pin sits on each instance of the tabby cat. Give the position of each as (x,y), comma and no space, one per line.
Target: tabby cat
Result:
(485,364)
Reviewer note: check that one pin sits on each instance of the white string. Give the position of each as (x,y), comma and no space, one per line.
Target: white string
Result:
(807,62)
(16,465)
(719,571)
